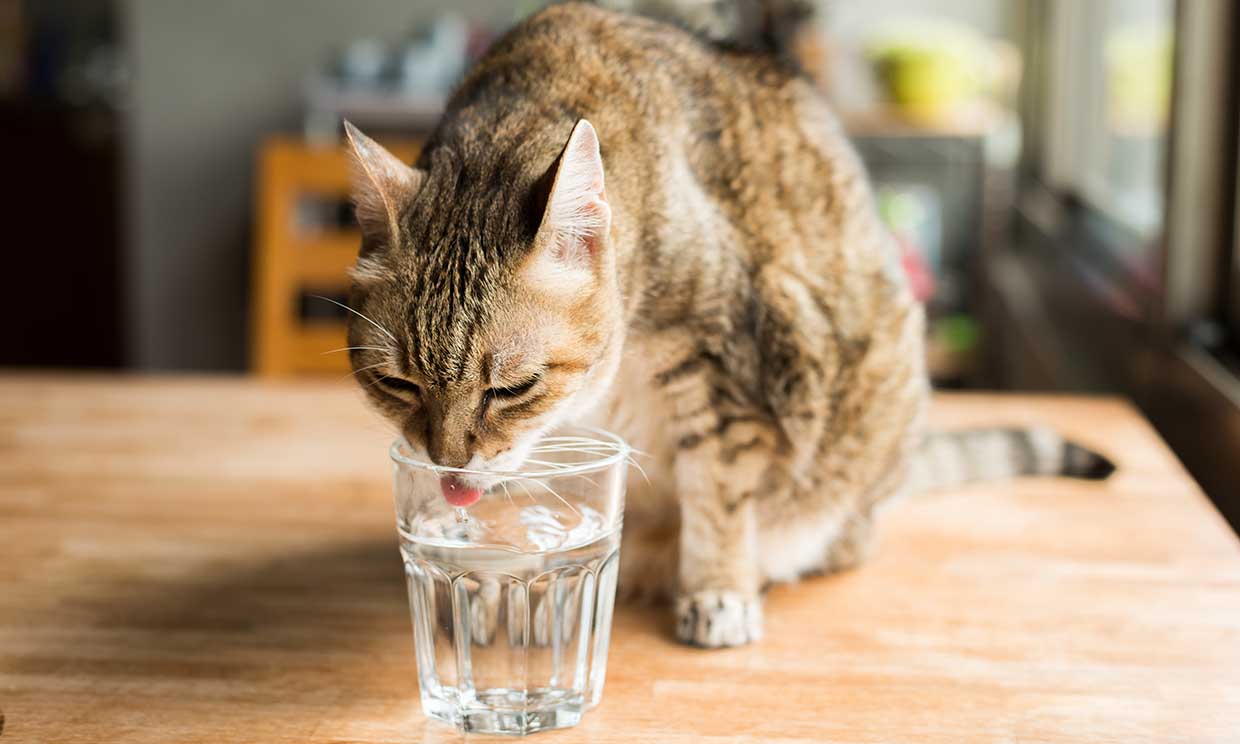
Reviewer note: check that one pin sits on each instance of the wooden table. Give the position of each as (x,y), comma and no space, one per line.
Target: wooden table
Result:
(213,560)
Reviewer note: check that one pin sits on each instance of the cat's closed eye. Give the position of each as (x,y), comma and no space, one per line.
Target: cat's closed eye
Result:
(400,387)
(512,392)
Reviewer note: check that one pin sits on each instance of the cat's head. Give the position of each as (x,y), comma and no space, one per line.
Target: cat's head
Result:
(487,307)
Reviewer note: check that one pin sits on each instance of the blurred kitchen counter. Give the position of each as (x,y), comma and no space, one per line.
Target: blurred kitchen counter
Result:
(213,559)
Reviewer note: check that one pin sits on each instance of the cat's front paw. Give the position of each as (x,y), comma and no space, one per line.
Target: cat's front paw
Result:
(713,619)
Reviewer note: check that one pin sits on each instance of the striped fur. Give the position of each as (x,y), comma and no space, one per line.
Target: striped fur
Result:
(726,303)
(954,458)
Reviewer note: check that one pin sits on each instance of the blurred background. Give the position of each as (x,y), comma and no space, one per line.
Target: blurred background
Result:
(1061,176)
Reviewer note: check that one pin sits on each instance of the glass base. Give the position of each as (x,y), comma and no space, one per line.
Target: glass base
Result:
(488,718)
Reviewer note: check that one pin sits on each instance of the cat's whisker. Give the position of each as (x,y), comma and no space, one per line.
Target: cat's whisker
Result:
(358,348)
(375,381)
(586,478)
(597,448)
(600,454)
(584,440)
(562,466)
(552,491)
(385,331)
(640,469)
(588,447)
(368,366)
(578,442)
(574,447)
(528,495)
(588,458)
(507,493)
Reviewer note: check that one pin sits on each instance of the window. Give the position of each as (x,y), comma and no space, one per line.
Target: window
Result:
(1105,113)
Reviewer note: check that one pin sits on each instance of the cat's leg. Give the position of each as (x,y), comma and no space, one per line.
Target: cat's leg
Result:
(721,449)
(718,603)
(718,476)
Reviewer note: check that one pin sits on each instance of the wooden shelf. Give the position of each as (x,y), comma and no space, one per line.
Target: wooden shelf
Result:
(290,258)
(323,260)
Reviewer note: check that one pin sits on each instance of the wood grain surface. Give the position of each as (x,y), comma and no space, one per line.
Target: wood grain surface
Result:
(214,560)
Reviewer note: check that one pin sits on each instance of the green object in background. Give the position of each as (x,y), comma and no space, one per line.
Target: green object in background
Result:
(959,333)
(900,210)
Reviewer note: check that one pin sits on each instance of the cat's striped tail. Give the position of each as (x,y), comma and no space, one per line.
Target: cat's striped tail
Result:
(953,458)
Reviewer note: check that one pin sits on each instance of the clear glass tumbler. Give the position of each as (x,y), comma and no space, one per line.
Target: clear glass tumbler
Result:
(512,595)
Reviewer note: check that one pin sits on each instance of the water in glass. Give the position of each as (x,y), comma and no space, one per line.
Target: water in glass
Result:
(512,634)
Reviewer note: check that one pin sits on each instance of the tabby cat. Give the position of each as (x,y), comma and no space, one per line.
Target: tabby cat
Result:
(624,223)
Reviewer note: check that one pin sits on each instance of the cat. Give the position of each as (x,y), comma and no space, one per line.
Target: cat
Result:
(620,222)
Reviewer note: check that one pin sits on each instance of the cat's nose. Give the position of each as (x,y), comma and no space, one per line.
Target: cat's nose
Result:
(449,437)
(450,454)
(449,460)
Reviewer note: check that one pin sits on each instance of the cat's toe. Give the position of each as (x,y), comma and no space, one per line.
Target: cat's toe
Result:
(714,619)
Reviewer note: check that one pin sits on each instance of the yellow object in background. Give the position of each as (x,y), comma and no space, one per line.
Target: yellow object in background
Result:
(1138,76)
(930,69)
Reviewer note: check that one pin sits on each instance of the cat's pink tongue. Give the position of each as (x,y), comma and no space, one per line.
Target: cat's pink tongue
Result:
(455,491)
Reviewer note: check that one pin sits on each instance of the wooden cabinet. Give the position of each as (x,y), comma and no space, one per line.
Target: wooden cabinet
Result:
(305,242)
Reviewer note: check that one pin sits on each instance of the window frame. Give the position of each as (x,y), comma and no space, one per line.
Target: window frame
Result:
(1201,185)
(1233,282)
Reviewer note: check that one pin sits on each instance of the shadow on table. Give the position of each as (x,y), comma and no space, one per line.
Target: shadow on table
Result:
(324,626)
(328,597)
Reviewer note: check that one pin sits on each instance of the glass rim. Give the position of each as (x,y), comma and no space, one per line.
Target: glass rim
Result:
(623,450)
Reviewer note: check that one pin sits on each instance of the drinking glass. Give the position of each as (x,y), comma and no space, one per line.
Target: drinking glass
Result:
(512,594)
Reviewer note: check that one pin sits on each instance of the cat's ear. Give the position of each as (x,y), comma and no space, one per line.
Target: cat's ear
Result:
(382,185)
(577,218)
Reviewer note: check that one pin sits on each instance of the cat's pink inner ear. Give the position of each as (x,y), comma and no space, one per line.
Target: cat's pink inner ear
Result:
(577,217)
(381,184)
